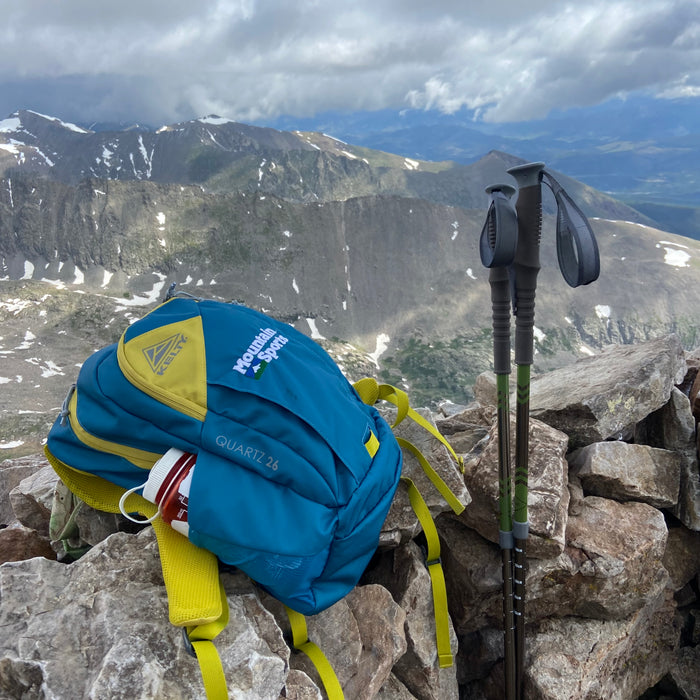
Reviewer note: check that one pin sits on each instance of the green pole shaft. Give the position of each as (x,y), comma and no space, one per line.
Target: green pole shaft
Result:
(506,534)
(522,441)
(500,303)
(520,520)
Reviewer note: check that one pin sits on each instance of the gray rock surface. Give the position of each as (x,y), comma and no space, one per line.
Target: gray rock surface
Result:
(629,472)
(605,395)
(582,659)
(548,495)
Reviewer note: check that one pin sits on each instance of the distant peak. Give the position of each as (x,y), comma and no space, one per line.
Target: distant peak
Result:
(23,113)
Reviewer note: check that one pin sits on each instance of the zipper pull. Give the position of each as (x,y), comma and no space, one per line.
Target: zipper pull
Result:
(63,415)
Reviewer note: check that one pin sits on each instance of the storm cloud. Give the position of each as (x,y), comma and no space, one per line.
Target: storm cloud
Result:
(163,61)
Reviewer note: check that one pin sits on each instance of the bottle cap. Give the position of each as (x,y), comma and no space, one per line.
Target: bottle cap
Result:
(164,471)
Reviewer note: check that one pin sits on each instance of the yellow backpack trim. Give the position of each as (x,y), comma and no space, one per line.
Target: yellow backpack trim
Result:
(169,364)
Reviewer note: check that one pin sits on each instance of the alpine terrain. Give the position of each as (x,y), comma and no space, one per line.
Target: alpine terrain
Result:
(373,254)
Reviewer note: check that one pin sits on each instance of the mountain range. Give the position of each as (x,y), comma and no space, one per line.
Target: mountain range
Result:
(374,254)
(641,149)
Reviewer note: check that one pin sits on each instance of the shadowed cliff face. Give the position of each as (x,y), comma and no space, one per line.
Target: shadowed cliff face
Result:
(400,279)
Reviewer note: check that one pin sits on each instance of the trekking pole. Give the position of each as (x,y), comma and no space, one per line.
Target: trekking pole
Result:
(526,266)
(497,249)
(579,262)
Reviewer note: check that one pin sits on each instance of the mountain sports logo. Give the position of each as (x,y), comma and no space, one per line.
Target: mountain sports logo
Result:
(263,349)
(160,355)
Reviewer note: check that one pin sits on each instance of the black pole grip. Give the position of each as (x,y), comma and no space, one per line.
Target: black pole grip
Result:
(500,233)
(526,265)
(500,306)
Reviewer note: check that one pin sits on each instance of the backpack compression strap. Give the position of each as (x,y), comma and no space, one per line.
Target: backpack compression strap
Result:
(437,576)
(370,392)
(196,599)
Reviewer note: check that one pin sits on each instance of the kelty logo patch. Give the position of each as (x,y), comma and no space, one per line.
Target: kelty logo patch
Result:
(160,355)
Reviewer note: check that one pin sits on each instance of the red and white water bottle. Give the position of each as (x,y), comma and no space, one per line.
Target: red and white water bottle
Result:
(168,486)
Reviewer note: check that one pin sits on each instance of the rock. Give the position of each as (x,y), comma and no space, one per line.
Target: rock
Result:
(99,628)
(485,391)
(12,471)
(576,495)
(605,395)
(300,687)
(18,543)
(479,654)
(447,408)
(464,430)
(401,523)
(380,623)
(31,499)
(406,576)
(548,495)
(682,556)
(362,636)
(628,472)
(472,575)
(684,673)
(672,427)
(611,567)
(581,659)
(695,627)
(394,689)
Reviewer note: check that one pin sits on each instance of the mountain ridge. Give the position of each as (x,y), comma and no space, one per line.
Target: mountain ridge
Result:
(221,155)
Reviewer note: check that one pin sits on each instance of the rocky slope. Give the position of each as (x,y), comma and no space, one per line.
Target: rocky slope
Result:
(613,603)
(400,279)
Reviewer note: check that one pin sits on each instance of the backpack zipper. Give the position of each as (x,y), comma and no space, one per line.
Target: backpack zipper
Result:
(139,458)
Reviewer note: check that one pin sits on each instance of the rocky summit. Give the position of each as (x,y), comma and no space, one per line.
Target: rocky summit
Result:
(613,580)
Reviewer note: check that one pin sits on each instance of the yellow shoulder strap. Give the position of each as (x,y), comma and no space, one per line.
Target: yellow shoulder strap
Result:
(196,599)
(200,638)
(301,642)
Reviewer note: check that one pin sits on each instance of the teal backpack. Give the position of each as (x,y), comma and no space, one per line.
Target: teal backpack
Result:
(295,469)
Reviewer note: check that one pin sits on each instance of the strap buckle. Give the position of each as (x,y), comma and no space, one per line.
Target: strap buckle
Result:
(432,562)
(189,648)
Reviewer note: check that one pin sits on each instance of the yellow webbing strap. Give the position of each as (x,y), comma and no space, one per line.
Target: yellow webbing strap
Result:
(434,477)
(190,573)
(437,576)
(400,399)
(301,642)
(191,576)
(370,392)
(207,655)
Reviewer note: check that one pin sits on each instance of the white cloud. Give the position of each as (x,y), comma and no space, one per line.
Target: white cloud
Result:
(168,60)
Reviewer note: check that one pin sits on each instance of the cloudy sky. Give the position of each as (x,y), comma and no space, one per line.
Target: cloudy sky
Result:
(162,61)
